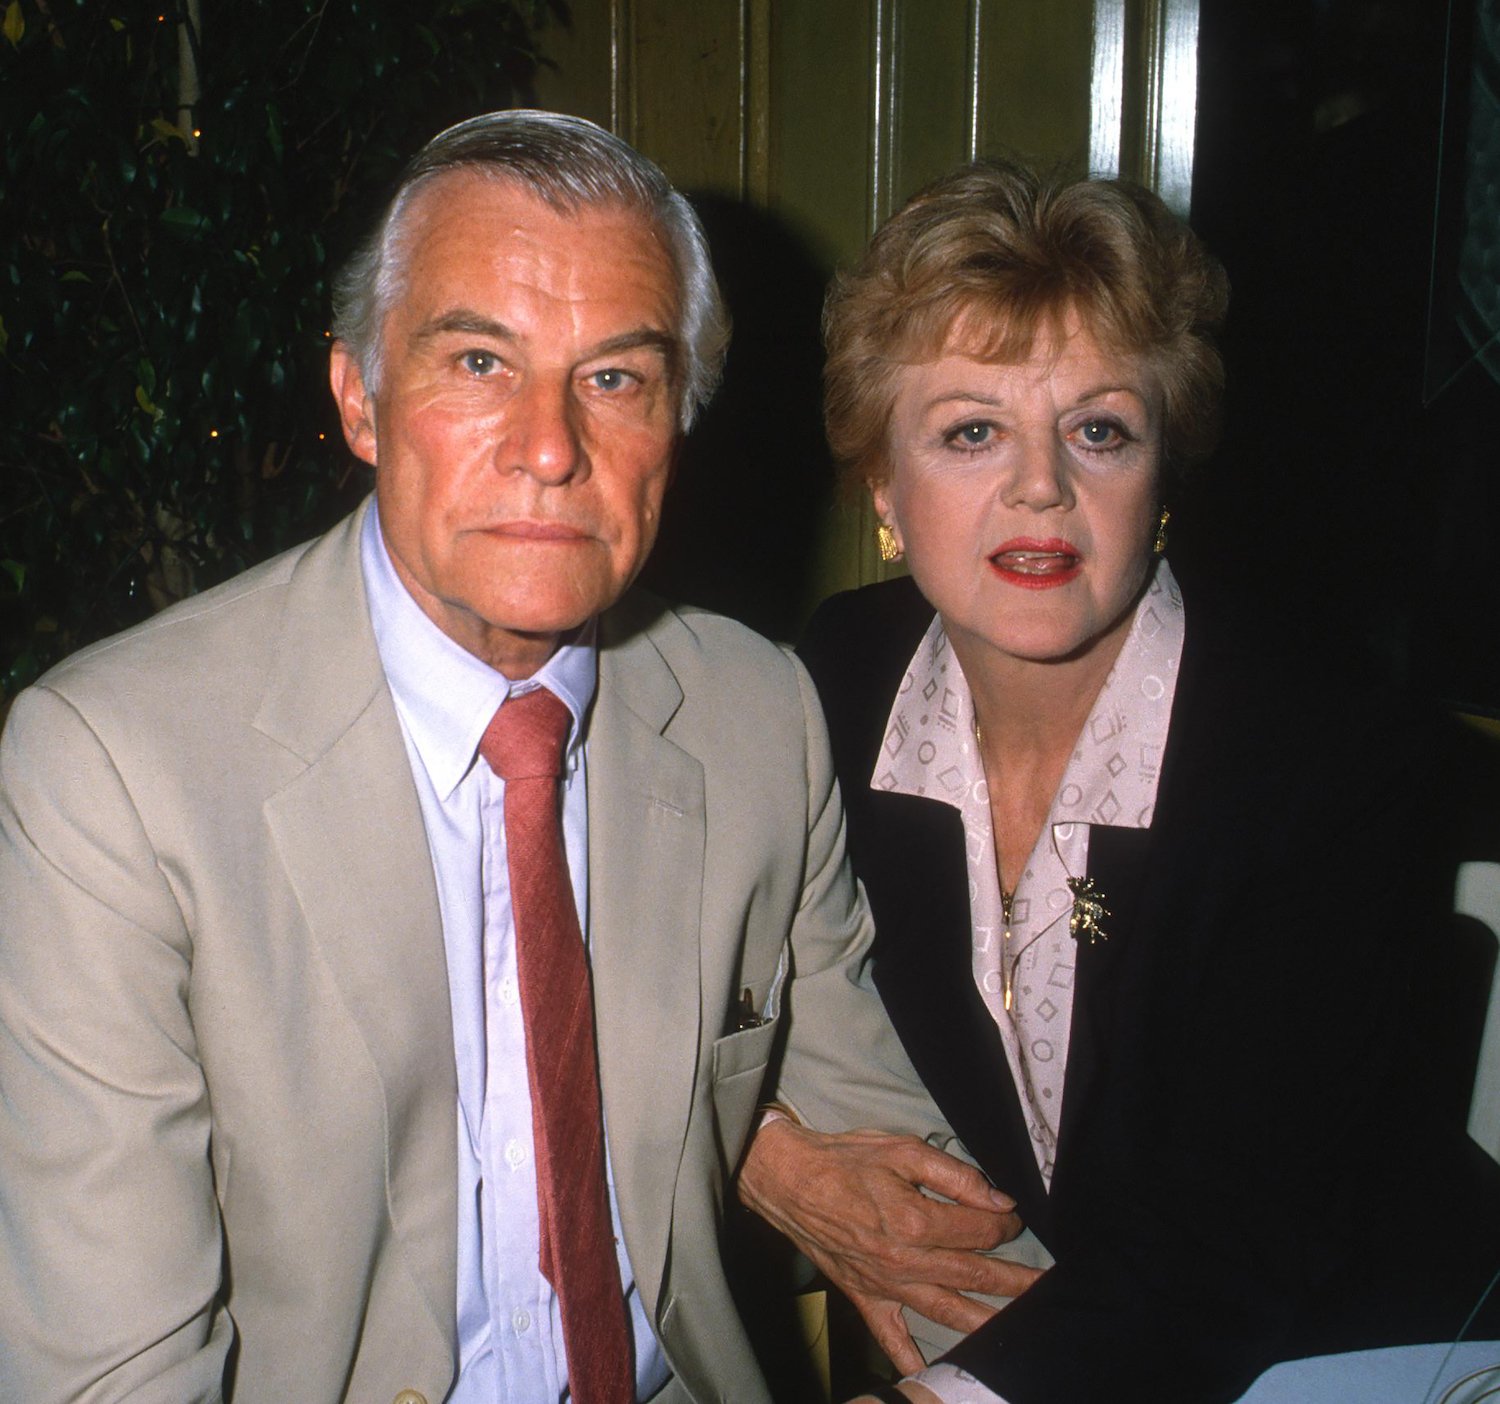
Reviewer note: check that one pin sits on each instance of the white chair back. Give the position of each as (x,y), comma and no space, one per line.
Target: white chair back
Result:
(1477,894)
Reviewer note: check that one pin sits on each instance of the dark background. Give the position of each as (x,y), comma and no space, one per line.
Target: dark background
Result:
(1345,492)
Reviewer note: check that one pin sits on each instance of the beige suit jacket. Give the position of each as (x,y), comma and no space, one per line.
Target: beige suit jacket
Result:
(227,1090)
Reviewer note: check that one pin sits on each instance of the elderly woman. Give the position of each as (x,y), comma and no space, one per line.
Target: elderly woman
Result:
(1154,900)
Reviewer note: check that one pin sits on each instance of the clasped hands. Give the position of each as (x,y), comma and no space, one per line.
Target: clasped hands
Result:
(853,1203)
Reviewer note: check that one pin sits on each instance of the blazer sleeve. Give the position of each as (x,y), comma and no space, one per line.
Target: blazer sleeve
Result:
(110,1258)
(844,1066)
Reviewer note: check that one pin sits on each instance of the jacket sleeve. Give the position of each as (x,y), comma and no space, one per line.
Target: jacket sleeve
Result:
(844,1066)
(110,1257)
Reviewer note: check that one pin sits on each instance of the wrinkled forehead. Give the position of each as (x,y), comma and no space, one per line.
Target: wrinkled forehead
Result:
(483,205)
(479,242)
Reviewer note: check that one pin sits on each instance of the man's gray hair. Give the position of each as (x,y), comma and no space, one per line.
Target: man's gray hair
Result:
(568,162)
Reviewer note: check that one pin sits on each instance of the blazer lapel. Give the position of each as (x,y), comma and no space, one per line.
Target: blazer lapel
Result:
(924,970)
(1130,867)
(1117,858)
(350,835)
(646,843)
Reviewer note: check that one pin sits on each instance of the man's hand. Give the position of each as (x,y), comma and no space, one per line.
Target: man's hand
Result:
(852,1203)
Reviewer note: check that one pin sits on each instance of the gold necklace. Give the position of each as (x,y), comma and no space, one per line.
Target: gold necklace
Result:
(1008,963)
(1084,917)
(1007,966)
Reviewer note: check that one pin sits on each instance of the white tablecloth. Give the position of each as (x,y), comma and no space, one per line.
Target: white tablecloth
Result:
(1400,1375)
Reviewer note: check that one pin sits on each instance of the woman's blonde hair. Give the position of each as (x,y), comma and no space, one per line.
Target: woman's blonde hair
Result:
(993,255)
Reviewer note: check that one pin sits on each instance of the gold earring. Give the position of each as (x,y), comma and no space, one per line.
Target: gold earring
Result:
(886,543)
(1159,545)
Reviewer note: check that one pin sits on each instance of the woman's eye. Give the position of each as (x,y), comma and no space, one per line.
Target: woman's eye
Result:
(1100,434)
(973,435)
(480,362)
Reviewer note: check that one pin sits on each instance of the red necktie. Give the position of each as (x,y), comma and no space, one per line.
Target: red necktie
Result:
(523,745)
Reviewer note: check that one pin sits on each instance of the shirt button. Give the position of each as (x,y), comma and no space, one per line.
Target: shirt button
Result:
(521,1321)
(508,992)
(515,1154)
(410,1396)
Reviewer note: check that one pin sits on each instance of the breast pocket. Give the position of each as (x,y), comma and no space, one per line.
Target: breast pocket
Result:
(741,1058)
(740,1061)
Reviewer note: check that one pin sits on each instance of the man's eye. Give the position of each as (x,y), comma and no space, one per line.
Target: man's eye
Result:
(480,362)
(610,379)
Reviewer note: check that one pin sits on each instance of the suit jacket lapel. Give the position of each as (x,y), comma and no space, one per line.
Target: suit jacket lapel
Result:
(1117,858)
(924,970)
(646,843)
(912,863)
(349,832)
(1129,866)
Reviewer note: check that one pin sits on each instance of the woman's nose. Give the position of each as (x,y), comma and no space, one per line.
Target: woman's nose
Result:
(1040,474)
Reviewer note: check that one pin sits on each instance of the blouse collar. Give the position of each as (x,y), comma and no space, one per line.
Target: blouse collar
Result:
(1111,778)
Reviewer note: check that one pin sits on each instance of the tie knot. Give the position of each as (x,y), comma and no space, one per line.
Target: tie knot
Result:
(524,739)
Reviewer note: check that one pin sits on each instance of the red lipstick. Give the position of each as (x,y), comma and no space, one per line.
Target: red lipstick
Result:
(1036,565)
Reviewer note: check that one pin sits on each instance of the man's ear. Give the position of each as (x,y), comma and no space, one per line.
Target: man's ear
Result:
(356,407)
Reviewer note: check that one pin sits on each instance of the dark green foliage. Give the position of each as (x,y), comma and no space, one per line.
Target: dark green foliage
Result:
(164,416)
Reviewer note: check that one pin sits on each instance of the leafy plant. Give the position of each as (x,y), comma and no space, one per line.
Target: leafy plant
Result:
(179,184)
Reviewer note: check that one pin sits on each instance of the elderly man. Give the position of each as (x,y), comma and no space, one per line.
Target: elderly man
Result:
(351,910)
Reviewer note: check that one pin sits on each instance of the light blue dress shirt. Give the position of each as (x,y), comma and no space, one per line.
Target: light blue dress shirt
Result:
(510,1338)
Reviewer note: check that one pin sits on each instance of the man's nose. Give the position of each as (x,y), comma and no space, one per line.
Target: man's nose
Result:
(543,437)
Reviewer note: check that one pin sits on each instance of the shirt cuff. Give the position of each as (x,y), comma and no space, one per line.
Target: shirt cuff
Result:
(955,1386)
(777,1111)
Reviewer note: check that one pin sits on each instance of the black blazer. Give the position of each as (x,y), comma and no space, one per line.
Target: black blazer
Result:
(1248,1164)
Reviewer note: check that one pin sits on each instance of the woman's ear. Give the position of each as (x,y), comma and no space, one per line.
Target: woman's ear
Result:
(883,509)
(887,537)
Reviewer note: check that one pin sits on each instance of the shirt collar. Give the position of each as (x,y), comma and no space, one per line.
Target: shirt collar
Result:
(1112,775)
(446,696)
(1111,778)
(929,744)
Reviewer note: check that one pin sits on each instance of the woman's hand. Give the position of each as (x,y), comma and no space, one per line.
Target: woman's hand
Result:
(853,1203)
